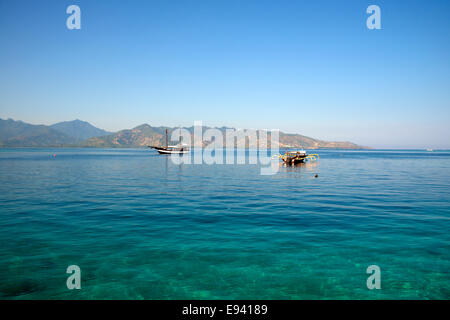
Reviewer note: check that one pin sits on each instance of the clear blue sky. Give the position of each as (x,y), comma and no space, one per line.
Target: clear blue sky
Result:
(310,67)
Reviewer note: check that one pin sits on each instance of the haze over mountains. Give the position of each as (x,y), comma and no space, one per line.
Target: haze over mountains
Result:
(21,134)
(79,133)
(79,130)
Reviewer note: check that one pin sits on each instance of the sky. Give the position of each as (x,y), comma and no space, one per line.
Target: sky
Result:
(308,67)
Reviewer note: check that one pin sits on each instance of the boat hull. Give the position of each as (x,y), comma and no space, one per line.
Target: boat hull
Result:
(294,160)
(163,150)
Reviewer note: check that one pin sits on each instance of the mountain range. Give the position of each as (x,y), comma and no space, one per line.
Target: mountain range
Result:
(79,130)
(79,133)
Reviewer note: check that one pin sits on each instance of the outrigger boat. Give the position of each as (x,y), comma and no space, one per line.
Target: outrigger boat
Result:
(296,157)
(177,149)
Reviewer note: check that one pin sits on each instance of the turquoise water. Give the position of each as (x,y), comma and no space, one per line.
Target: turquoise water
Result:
(142,227)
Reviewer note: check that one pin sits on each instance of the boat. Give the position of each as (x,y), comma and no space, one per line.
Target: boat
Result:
(176,149)
(171,149)
(297,157)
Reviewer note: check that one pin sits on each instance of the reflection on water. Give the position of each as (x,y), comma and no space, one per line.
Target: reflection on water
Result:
(308,166)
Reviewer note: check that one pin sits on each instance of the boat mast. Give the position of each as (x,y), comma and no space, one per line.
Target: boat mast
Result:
(167,138)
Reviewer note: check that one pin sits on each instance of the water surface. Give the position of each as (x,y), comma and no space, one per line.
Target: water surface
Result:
(142,227)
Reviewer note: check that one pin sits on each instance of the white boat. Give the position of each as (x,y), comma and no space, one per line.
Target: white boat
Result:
(172,149)
(178,149)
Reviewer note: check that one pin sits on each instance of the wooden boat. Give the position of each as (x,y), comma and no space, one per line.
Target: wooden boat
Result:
(177,149)
(296,157)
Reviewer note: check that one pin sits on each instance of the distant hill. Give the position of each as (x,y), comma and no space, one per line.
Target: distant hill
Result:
(79,133)
(140,136)
(79,130)
(146,135)
(69,133)
(298,141)
(21,134)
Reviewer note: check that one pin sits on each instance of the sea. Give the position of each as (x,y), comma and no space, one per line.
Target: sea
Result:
(140,226)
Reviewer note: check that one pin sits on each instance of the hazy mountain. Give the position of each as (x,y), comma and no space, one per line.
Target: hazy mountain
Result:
(82,134)
(140,136)
(21,134)
(79,130)
(299,141)
(146,135)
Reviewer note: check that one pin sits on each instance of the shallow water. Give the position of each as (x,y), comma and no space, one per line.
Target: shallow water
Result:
(142,227)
